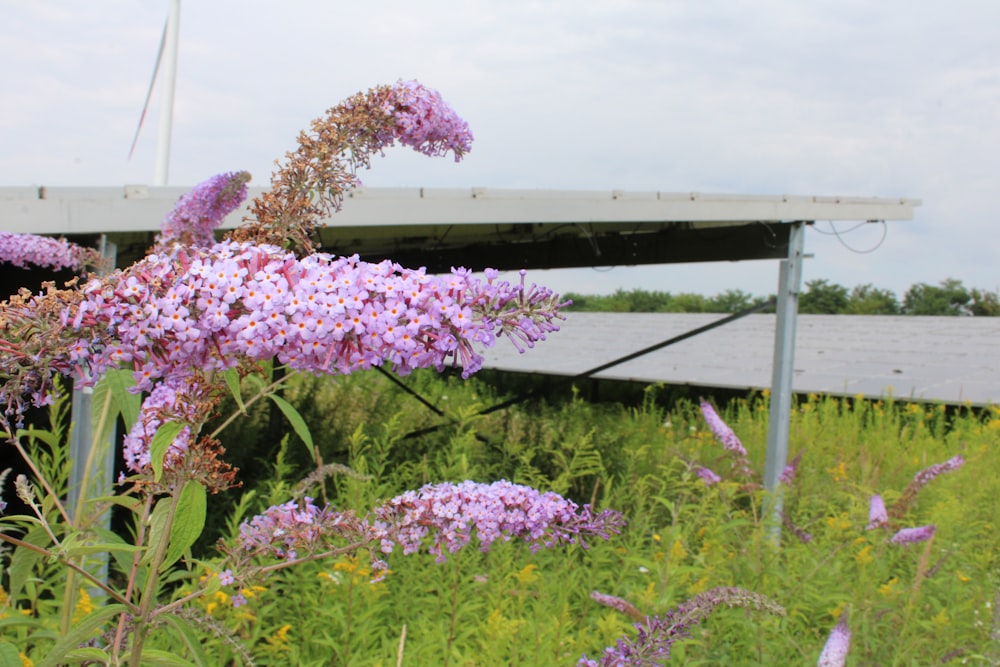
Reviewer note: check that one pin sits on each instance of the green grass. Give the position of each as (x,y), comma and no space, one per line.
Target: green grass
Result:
(921,604)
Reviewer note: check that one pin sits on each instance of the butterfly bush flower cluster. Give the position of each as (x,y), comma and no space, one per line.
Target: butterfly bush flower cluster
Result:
(656,635)
(455,513)
(198,213)
(339,145)
(728,438)
(425,122)
(28,250)
(837,645)
(880,517)
(451,515)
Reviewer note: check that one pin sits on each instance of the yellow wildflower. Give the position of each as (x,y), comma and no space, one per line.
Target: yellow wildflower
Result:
(279,640)
(839,472)
(837,611)
(527,575)
(889,588)
(941,618)
(25,660)
(864,556)
(678,552)
(84,606)
(961,577)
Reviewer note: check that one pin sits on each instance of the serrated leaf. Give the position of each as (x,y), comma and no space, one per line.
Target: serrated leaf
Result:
(23,560)
(232,378)
(189,521)
(158,446)
(297,422)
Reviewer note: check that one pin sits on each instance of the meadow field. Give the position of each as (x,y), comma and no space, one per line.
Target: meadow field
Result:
(932,601)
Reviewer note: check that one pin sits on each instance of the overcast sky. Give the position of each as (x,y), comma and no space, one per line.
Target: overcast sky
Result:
(842,97)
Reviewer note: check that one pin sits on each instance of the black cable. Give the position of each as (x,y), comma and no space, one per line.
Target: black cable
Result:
(597,369)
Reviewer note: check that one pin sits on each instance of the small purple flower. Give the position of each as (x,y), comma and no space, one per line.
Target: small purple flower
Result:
(239,600)
(837,645)
(877,515)
(914,535)
(226,578)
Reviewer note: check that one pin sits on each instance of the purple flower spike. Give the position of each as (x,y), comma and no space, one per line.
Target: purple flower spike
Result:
(656,635)
(197,213)
(839,643)
(922,478)
(788,474)
(426,123)
(914,535)
(708,476)
(877,516)
(28,250)
(727,437)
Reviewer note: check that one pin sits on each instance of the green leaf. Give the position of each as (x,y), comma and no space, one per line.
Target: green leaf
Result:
(48,437)
(164,437)
(9,655)
(157,658)
(189,521)
(112,397)
(297,422)
(80,633)
(23,560)
(187,635)
(232,378)
(88,654)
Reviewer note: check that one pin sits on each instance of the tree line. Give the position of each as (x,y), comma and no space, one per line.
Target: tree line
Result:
(820,296)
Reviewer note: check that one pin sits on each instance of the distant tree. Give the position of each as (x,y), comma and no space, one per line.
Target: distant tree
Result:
(823,298)
(731,301)
(870,300)
(685,302)
(984,303)
(949,298)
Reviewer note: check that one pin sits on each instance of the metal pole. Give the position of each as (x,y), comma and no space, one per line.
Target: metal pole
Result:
(789,285)
(169,79)
(99,481)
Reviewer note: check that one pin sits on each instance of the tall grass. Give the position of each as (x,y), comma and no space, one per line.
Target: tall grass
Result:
(926,603)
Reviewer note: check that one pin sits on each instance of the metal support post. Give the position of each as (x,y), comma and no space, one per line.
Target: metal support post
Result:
(789,285)
(92,464)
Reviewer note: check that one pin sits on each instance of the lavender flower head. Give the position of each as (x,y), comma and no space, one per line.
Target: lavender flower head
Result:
(453,513)
(914,535)
(426,123)
(657,634)
(788,474)
(923,477)
(877,515)
(28,250)
(837,645)
(707,476)
(197,213)
(727,437)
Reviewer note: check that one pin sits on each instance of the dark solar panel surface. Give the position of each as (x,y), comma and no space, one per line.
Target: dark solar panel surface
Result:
(949,359)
